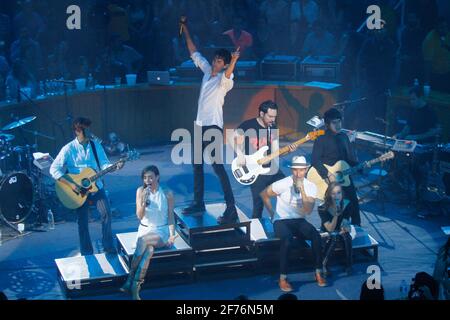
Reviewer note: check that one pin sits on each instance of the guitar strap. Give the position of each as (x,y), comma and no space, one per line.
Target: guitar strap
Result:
(94,150)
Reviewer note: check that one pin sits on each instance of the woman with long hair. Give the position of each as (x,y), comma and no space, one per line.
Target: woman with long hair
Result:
(154,209)
(335,220)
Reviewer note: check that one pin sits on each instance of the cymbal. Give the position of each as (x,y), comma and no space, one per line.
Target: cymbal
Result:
(18,123)
(6,137)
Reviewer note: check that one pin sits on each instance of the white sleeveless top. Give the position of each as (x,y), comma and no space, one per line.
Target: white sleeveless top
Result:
(156,211)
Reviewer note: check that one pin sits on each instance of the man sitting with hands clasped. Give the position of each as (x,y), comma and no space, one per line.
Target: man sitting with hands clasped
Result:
(295,200)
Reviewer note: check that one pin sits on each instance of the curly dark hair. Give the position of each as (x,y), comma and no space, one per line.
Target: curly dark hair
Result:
(223,54)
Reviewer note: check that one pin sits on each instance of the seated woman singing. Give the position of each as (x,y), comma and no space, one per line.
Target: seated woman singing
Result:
(334,215)
(154,209)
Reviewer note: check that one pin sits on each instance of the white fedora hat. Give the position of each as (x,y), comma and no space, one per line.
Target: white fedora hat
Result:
(299,162)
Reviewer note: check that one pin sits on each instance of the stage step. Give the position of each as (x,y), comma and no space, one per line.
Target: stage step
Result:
(91,275)
(167,264)
(201,230)
(217,247)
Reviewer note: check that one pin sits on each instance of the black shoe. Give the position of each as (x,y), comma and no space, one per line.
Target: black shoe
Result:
(194,208)
(228,216)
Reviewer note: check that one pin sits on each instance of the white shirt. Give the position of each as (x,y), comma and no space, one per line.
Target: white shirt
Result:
(73,157)
(289,203)
(156,211)
(212,93)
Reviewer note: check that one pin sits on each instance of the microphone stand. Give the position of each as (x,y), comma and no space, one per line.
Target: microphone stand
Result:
(341,106)
(40,203)
(44,112)
(66,106)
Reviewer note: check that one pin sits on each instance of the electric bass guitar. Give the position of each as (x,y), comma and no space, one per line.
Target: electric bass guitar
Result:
(253,167)
(86,180)
(342,171)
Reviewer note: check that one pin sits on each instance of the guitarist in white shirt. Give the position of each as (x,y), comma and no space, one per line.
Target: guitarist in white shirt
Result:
(330,148)
(73,158)
(250,136)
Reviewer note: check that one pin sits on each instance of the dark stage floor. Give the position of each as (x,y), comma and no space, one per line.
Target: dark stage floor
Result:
(407,244)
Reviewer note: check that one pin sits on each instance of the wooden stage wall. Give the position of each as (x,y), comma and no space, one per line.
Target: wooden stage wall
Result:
(144,115)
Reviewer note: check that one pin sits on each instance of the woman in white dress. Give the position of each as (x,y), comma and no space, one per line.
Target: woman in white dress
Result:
(154,209)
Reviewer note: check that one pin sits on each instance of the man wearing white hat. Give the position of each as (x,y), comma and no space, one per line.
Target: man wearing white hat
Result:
(295,200)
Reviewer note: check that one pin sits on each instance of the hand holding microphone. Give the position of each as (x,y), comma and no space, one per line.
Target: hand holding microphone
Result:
(338,207)
(145,200)
(183,21)
(298,185)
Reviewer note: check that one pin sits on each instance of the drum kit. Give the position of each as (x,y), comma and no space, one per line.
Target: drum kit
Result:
(22,185)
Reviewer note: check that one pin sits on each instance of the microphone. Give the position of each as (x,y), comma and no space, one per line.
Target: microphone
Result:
(147,192)
(338,206)
(297,186)
(95,138)
(349,102)
(183,20)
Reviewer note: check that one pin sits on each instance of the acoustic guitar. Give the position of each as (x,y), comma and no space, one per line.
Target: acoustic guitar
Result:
(342,172)
(87,182)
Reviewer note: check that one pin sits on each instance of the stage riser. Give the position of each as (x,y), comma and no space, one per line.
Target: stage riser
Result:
(203,241)
(191,257)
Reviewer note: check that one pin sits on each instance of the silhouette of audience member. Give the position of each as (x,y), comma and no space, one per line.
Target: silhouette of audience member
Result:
(371,294)
(288,296)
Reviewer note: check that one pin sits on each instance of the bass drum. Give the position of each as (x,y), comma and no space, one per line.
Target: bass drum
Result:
(16,197)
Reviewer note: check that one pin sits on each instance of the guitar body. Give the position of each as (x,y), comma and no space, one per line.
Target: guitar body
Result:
(68,197)
(337,169)
(247,174)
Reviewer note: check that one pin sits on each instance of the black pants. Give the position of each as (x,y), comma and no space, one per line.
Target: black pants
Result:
(420,166)
(103,208)
(262,182)
(332,241)
(353,206)
(199,177)
(288,228)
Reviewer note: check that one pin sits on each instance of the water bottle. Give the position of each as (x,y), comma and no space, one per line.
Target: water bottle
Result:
(41,88)
(403,290)
(8,93)
(50,219)
(90,82)
(416,82)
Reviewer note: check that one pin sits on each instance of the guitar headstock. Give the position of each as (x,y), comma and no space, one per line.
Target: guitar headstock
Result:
(387,156)
(130,155)
(313,135)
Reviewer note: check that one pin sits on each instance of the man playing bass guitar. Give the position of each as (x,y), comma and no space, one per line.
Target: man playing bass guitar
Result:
(250,136)
(329,149)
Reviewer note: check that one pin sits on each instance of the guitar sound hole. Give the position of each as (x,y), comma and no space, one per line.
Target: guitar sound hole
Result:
(85,183)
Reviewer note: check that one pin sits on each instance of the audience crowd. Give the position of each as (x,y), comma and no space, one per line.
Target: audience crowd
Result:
(118,37)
